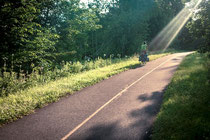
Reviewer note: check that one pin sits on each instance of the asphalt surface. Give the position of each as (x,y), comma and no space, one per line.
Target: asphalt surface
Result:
(121,107)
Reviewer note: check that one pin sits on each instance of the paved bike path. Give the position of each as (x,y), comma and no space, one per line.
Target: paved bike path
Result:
(128,116)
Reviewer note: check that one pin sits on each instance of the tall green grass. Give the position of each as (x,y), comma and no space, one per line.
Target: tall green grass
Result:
(11,82)
(22,102)
(185,112)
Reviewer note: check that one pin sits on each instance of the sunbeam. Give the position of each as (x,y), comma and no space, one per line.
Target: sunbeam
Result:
(163,40)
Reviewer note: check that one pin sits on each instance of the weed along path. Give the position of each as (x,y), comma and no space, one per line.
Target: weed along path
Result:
(121,107)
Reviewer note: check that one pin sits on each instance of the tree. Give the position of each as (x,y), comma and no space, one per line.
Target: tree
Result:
(199,28)
(125,26)
(23,40)
(195,35)
(75,27)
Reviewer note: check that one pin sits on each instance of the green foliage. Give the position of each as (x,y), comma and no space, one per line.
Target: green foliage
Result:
(23,40)
(124,27)
(201,21)
(74,26)
(185,110)
(45,33)
(172,7)
(11,82)
(196,34)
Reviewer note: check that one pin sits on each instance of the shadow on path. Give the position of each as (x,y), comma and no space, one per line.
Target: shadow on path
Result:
(138,129)
(146,115)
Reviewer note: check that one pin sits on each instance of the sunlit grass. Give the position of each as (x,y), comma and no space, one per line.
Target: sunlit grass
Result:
(185,110)
(24,102)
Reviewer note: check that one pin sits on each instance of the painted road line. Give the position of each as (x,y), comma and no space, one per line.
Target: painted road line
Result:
(118,95)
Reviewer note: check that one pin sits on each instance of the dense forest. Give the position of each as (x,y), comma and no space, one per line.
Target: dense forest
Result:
(45,33)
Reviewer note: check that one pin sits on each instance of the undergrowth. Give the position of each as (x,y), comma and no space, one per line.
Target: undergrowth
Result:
(11,82)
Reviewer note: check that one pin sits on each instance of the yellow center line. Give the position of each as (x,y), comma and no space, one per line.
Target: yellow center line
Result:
(119,94)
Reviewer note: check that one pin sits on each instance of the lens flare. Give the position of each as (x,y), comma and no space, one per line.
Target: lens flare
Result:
(163,40)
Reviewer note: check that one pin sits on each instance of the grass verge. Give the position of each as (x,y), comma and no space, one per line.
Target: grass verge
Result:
(185,112)
(24,102)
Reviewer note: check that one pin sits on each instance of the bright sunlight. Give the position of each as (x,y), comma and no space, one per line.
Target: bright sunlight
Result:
(169,33)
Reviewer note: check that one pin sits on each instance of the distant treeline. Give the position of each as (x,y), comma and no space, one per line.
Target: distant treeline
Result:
(43,33)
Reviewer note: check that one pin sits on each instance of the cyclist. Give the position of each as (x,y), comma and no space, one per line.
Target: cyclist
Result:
(143,52)
(143,48)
